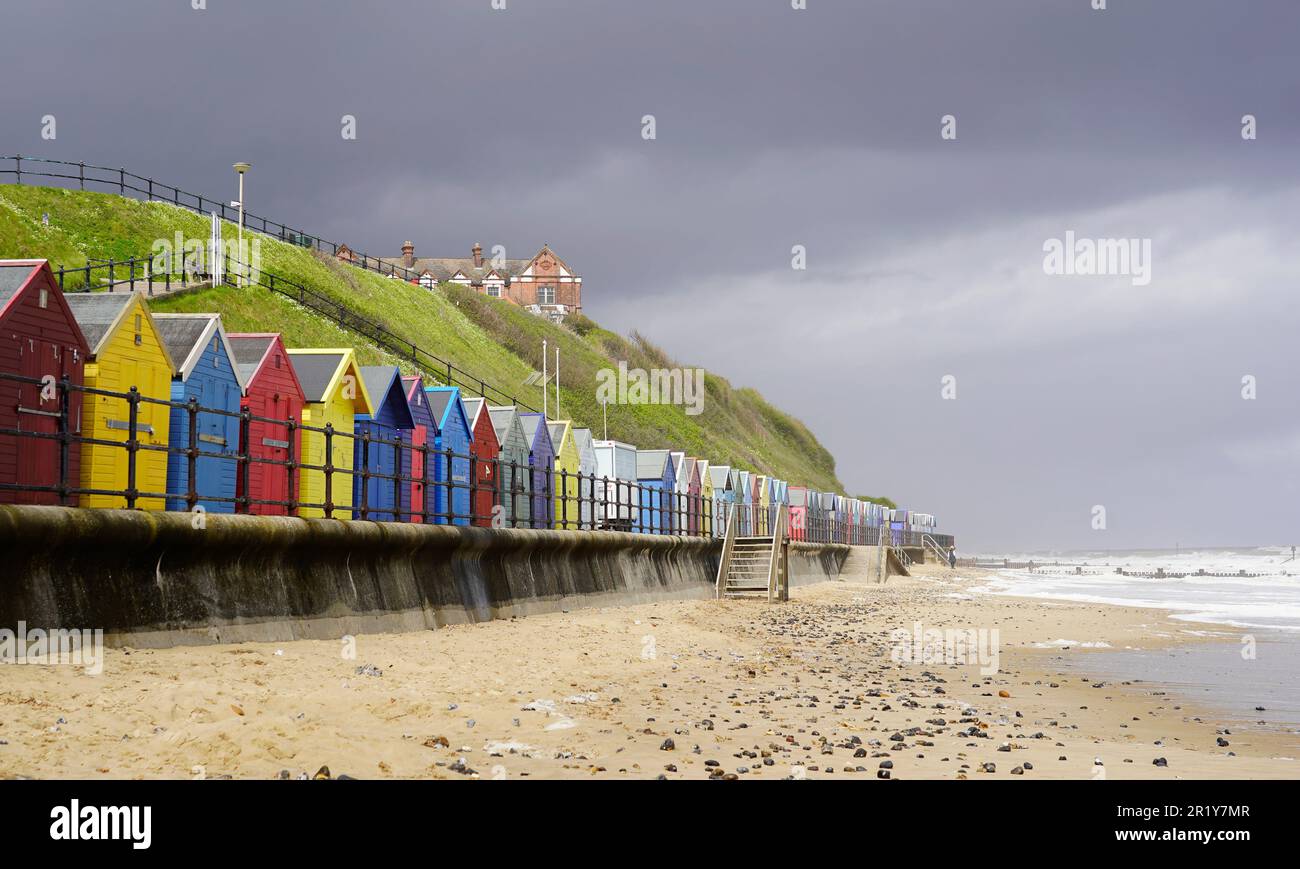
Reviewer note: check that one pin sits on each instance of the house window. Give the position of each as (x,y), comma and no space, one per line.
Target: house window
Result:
(44,300)
(546,295)
(494,290)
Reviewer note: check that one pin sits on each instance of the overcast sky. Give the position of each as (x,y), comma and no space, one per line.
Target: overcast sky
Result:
(822,128)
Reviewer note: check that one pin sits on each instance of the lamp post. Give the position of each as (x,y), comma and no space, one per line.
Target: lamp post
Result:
(241,168)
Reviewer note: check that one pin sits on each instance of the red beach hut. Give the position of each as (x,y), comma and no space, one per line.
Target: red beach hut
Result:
(271,390)
(39,337)
(485,448)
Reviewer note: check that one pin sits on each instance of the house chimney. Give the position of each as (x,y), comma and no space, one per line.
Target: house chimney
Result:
(478,255)
(408,254)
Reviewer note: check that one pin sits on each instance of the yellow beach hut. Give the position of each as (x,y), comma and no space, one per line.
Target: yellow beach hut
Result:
(125,350)
(705,507)
(568,467)
(335,394)
(763,498)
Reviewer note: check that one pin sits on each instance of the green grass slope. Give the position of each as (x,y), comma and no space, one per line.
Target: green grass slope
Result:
(494,340)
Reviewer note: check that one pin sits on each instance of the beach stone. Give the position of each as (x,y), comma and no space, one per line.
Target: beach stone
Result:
(1160,761)
(668,745)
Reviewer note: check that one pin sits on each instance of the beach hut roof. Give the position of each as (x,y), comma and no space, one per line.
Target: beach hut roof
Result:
(187,337)
(248,350)
(321,369)
(443,401)
(557,431)
(101,314)
(501,418)
(650,464)
(531,423)
(17,274)
(382,381)
(720,475)
(474,407)
(14,275)
(583,439)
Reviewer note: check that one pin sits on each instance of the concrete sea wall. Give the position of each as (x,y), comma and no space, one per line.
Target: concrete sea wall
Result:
(153,579)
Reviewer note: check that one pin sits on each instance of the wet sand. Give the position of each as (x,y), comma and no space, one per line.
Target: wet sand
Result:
(684,689)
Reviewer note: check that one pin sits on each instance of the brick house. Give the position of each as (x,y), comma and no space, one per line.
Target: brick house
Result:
(544,284)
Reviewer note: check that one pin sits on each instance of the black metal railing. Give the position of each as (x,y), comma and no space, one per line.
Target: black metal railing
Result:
(119,180)
(159,272)
(389,478)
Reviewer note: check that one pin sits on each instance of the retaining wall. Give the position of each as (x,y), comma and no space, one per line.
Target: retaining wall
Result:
(152,579)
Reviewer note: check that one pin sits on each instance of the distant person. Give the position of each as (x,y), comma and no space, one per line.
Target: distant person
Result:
(952,557)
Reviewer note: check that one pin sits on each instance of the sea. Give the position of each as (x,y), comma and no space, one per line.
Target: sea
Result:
(1245,601)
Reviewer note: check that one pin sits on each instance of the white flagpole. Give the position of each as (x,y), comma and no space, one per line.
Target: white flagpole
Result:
(544,379)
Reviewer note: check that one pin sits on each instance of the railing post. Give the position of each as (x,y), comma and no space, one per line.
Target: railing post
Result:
(65,437)
(244,462)
(424,490)
(564,498)
(450,492)
(18,164)
(399,478)
(291,479)
(192,454)
(329,470)
(473,487)
(132,444)
(365,473)
(514,493)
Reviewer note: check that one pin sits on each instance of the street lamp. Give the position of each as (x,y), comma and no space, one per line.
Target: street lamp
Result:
(241,168)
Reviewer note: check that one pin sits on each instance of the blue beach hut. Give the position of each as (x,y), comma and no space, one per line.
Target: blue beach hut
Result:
(654,473)
(206,372)
(450,476)
(542,458)
(379,497)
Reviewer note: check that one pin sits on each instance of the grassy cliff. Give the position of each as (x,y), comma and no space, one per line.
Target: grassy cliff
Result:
(496,341)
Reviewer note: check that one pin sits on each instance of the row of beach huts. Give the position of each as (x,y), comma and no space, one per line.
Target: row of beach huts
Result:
(239,422)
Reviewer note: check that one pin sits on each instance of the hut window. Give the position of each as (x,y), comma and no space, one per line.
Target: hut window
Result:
(139,325)
(277,360)
(216,357)
(546,295)
(44,300)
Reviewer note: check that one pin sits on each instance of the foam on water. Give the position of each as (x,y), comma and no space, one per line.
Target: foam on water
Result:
(1257,688)
(1269,601)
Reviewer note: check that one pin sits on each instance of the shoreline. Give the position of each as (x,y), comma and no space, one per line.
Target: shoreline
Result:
(683,689)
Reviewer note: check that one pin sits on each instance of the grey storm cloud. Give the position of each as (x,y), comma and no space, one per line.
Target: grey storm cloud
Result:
(777,128)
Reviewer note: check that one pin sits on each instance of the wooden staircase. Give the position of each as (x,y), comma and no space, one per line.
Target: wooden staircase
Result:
(755,566)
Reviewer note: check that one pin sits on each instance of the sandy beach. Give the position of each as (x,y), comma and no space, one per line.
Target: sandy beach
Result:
(688,689)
